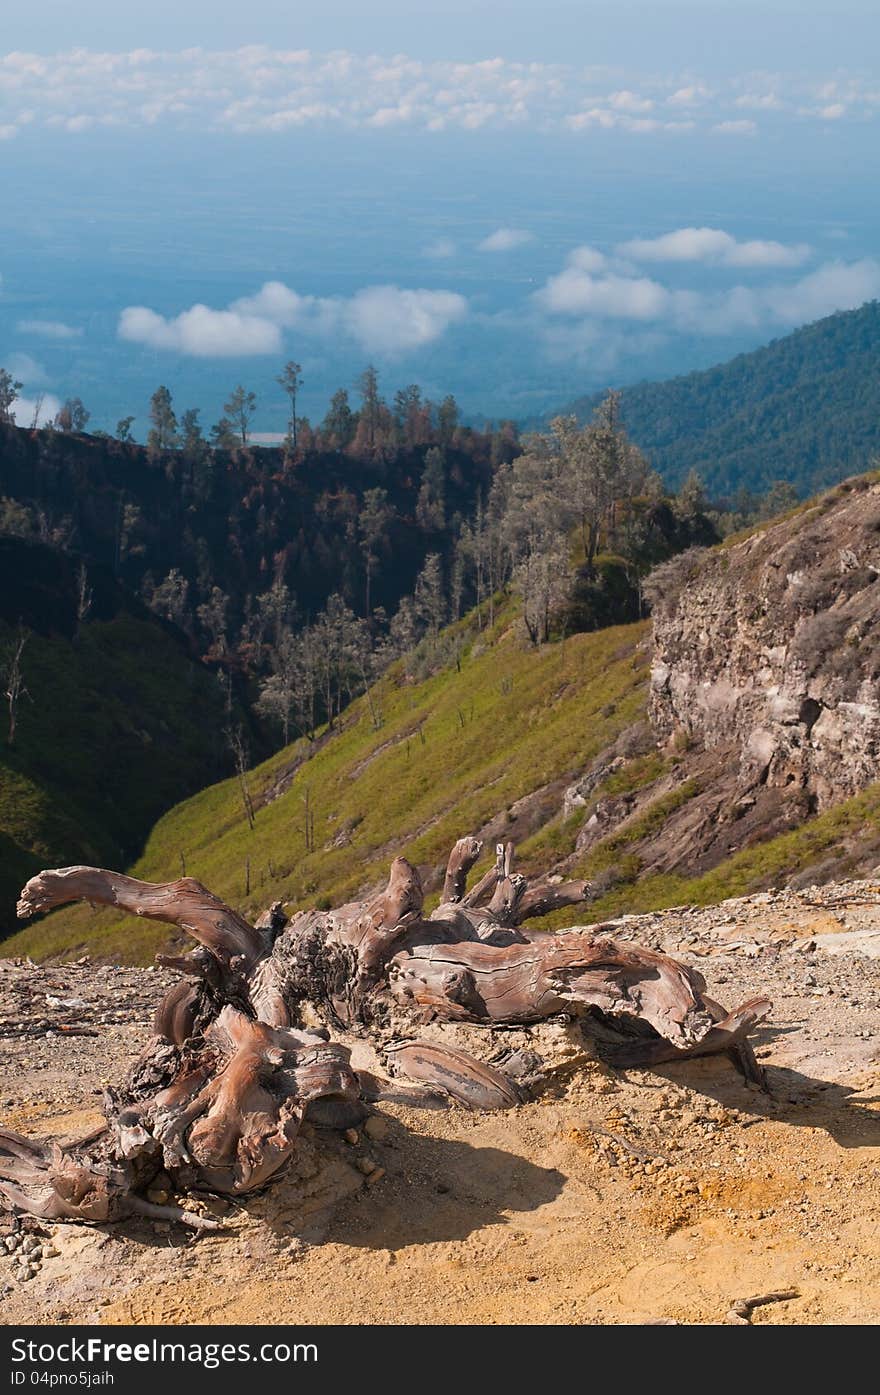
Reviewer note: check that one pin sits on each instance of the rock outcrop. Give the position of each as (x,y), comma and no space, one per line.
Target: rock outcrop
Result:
(771,646)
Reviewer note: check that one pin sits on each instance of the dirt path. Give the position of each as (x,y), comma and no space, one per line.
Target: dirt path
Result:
(624,1199)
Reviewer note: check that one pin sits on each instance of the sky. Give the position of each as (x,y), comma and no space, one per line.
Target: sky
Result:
(510,202)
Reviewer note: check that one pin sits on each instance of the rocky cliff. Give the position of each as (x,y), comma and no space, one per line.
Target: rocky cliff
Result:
(770,646)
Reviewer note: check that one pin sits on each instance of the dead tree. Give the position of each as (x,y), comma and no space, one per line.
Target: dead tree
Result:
(274,1021)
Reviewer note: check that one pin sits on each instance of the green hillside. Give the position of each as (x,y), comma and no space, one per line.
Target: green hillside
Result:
(117,722)
(451,753)
(805,408)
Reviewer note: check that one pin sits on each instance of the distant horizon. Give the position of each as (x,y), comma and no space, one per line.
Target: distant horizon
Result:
(515,231)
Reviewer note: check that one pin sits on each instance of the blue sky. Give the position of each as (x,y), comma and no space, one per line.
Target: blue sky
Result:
(512,202)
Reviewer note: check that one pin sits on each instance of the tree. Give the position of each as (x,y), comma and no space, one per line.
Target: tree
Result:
(240,410)
(431,502)
(340,421)
(368,386)
(275,611)
(223,435)
(242,1046)
(374,516)
(410,414)
(162,435)
(15,688)
(447,419)
(213,618)
(9,390)
(691,499)
(170,599)
(72,417)
(84,595)
(123,429)
(430,596)
(780,497)
(291,381)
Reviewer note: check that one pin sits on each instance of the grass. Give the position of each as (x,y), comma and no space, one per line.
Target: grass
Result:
(452,752)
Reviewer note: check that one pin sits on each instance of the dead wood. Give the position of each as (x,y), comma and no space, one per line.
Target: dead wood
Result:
(239,1056)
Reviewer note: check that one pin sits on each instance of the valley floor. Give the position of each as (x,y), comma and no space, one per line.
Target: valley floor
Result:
(621,1198)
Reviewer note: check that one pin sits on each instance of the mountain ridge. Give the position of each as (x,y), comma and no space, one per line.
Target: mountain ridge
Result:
(804,408)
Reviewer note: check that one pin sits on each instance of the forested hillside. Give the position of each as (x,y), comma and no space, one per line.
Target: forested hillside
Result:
(107,717)
(805,409)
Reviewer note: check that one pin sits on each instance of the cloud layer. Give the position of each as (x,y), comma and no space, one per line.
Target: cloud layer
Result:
(593,287)
(258,89)
(381,320)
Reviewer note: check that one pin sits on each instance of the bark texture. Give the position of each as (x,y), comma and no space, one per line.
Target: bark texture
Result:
(275,1021)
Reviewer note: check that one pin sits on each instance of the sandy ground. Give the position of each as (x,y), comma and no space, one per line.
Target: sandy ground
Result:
(615,1198)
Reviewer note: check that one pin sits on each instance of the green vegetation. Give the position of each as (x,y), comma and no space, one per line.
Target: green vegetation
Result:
(451,752)
(805,409)
(115,722)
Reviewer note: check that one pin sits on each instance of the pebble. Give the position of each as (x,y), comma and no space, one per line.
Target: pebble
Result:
(351,1136)
(375,1176)
(365,1165)
(376,1127)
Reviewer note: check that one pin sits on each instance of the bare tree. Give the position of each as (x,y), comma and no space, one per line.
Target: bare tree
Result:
(238,747)
(240,410)
(84,595)
(15,688)
(290,380)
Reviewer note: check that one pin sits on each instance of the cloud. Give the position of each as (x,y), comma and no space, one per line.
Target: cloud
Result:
(45,408)
(736,128)
(48,329)
(694,95)
(577,292)
(260,90)
(629,101)
(833,286)
(385,320)
(388,320)
(713,245)
(575,306)
(201,332)
(607,119)
(505,240)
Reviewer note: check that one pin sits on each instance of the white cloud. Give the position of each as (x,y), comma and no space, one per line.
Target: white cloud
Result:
(44,408)
(713,245)
(505,240)
(736,128)
(201,332)
(388,320)
(262,90)
(577,292)
(834,286)
(48,329)
(629,101)
(383,320)
(575,306)
(694,95)
(587,259)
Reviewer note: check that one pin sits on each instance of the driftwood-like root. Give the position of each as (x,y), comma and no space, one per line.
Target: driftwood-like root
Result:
(217,1098)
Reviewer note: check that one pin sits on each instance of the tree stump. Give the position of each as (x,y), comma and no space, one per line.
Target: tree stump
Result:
(275,1021)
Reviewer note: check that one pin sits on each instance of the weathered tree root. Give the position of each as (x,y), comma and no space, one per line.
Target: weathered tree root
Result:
(217,1098)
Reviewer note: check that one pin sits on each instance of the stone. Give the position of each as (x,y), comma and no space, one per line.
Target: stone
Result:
(376,1127)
